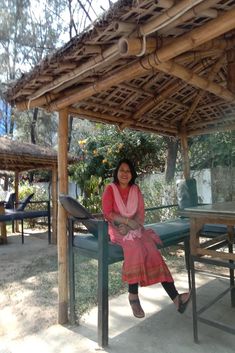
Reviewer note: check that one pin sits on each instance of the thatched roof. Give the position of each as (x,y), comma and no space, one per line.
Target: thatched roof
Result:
(161,66)
(18,156)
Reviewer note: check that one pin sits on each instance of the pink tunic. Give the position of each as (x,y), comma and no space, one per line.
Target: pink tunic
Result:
(143,262)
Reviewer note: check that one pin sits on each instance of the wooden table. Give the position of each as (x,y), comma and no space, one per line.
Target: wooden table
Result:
(211,252)
(3,234)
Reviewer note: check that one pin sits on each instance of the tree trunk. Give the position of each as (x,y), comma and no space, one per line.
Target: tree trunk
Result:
(33,126)
(70,132)
(172,150)
(33,136)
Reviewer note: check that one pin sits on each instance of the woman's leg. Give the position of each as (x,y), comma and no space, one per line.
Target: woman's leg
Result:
(180,300)
(133,288)
(170,289)
(134,301)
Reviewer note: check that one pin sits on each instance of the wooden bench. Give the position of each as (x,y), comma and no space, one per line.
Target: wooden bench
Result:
(99,247)
(14,215)
(105,252)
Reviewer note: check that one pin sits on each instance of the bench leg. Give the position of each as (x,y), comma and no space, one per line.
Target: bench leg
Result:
(187,260)
(22,231)
(103,285)
(71,275)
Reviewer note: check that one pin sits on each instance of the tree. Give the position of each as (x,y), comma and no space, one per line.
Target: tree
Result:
(208,151)
(99,154)
(172,150)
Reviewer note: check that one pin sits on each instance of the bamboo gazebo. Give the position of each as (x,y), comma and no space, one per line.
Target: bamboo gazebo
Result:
(18,157)
(163,66)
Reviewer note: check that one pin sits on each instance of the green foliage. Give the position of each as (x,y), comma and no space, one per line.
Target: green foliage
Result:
(208,151)
(40,194)
(157,193)
(100,153)
(25,189)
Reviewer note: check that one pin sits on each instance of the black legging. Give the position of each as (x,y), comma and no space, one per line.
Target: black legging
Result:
(168,286)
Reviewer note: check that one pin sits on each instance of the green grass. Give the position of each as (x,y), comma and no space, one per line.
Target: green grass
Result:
(86,283)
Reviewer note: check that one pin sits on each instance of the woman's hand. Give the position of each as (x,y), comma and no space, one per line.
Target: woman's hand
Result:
(133,224)
(123,229)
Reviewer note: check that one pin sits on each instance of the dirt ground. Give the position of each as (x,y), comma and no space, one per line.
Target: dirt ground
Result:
(28,284)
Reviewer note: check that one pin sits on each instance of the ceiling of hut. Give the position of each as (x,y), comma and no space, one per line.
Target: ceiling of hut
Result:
(18,156)
(162,66)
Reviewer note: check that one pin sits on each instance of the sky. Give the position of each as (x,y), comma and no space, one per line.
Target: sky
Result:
(80,18)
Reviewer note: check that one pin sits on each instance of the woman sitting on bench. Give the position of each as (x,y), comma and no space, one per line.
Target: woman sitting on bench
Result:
(123,207)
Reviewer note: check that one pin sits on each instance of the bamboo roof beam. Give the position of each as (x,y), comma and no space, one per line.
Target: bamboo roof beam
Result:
(107,56)
(221,44)
(168,16)
(196,37)
(195,80)
(205,131)
(216,67)
(94,116)
(104,107)
(150,103)
(100,117)
(231,70)
(197,10)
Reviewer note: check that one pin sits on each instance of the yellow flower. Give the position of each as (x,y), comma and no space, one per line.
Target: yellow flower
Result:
(82,142)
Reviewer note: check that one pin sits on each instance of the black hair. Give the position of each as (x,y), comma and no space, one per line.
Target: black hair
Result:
(132,169)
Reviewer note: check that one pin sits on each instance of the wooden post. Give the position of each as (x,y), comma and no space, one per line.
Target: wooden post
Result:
(62,218)
(185,155)
(17,199)
(54,195)
(3,231)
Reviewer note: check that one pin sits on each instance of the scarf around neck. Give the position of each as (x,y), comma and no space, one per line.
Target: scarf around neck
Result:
(130,208)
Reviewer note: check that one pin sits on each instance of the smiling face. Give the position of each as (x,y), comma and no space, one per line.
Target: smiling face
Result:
(124,175)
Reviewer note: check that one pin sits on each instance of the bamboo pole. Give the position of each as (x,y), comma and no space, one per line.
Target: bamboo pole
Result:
(216,67)
(42,97)
(135,46)
(109,119)
(54,205)
(16,223)
(174,69)
(196,11)
(62,218)
(231,70)
(168,16)
(185,155)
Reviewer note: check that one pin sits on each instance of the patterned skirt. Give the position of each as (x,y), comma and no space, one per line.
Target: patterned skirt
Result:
(143,262)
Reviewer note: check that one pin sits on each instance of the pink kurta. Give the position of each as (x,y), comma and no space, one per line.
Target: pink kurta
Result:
(143,262)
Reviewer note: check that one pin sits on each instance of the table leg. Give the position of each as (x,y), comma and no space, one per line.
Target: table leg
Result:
(194,304)
(3,235)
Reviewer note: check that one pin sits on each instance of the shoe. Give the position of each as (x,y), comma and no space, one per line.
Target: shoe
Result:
(183,305)
(136,308)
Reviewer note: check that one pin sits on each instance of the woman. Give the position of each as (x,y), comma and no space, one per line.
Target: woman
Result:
(123,208)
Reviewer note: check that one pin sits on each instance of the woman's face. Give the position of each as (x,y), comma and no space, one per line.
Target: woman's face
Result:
(124,175)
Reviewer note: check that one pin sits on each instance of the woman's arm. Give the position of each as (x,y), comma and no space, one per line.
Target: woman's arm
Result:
(108,208)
